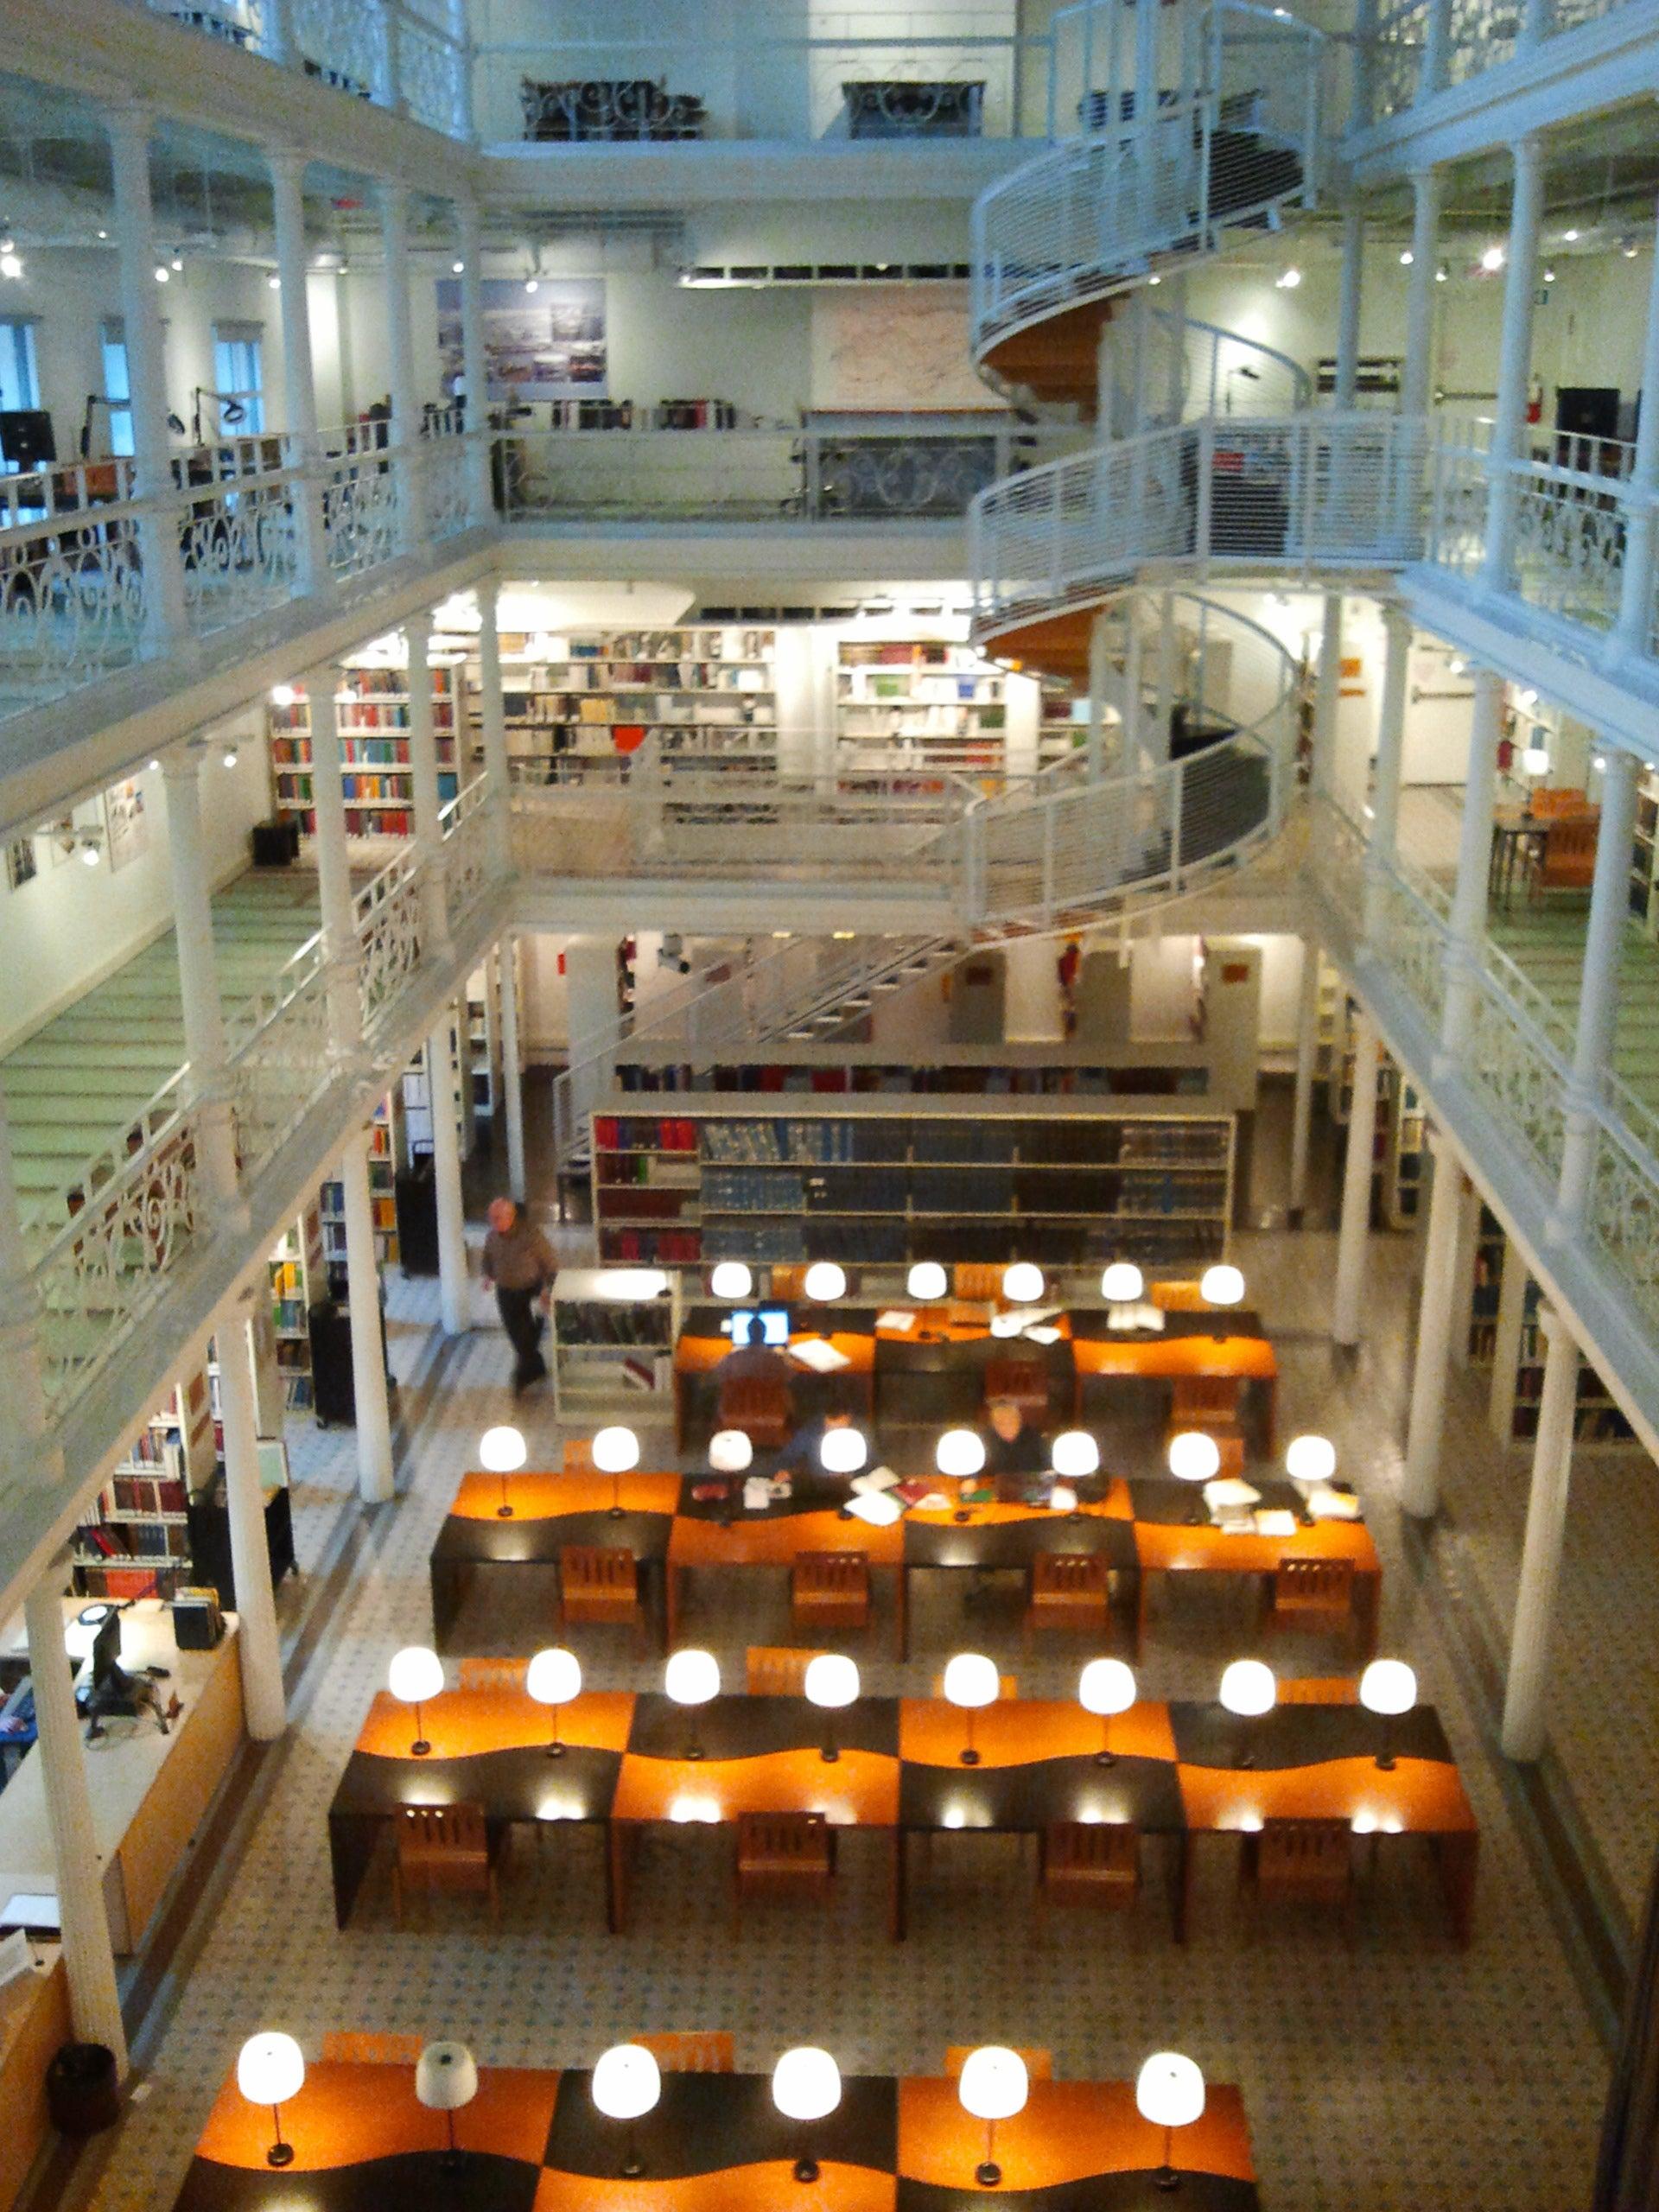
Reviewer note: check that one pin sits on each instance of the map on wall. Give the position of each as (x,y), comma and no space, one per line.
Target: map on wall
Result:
(895,346)
(548,344)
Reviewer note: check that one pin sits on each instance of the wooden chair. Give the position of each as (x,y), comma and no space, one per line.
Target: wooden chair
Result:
(777,1670)
(579,1456)
(600,1583)
(1550,805)
(443,1847)
(829,1590)
(782,1854)
(1069,1589)
(1300,1862)
(979,1284)
(506,1675)
(1089,1862)
(708,2051)
(1025,1381)
(1315,1594)
(1178,1297)
(1039,2063)
(759,1405)
(1203,1401)
(1568,859)
(1320,1689)
(350,2047)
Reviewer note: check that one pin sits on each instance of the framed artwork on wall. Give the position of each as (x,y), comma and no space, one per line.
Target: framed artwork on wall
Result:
(128,828)
(21,863)
(549,344)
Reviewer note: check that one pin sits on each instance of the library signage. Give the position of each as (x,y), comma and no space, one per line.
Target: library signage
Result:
(548,344)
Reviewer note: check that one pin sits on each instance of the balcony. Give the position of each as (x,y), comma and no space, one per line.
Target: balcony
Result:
(1422,55)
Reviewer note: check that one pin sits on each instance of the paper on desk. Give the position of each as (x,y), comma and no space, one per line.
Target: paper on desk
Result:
(1327,1504)
(897,1321)
(877,1478)
(880,1507)
(757,1494)
(16,1957)
(1235,1522)
(819,1354)
(1042,1334)
(1228,1492)
(1274,1521)
(1063,1499)
(1130,1318)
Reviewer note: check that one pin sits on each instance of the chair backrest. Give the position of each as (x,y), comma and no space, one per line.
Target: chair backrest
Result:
(1093,1847)
(1008,1686)
(976,1282)
(786,1282)
(1303,1850)
(1039,2063)
(1320,1689)
(1177,1297)
(782,1837)
(775,1670)
(831,1575)
(1201,1397)
(1547,805)
(1569,854)
(601,1569)
(708,2050)
(1314,1582)
(506,1674)
(1068,1574)
(1024,1380)
(442,1832)
(579,1456)
(349,2046)
(758,1404)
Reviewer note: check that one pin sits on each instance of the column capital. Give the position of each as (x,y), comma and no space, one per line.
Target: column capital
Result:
(286,161)
(1618,765)
(182,763)
(1528,151)
(1397,621)
(417,626)
(1553,1322)
(130,122)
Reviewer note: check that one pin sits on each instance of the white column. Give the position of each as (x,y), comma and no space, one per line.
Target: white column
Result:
(374,1472)
(1597,1023)
(492,715)
(334,867)
(1168,642)
(1513,362)
(1437,38)
(1353,271)
(1137,752)
(165,619)
(1326,699)
(287,165)
(1463,1274)
(1632,632)
(512,1084)
(88,1958)
(424,787)
(264,1700)
(204,1018)
(1308,1049)
(1383,841)
(400,363)
(476,364)
(453,1294)
(1468,923)
(1419,1486)
(1353,1235)
(1364,114)
(1540,1554)
(468,1130)
(1416,380)
(28,1454)
(1099,677)
(1506,1341)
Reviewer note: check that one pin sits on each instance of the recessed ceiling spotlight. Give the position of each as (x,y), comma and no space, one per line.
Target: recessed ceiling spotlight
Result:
(274,283)
(104,234)
(10,265)
(1407,259)
(1570,236)
(1627,247)
(1441,274)
(163,274)
(177,263)
(229,756)
(1549,275)
(532,284)
(1492,260)
(457,268)
(1290,280)
(1154,280)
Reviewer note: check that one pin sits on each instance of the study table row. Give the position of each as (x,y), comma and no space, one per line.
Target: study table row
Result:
(533,2141)
(674,1523)
(933,1371)
(632,1760)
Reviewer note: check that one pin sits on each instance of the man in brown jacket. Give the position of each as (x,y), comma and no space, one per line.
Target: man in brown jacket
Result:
(518,1265)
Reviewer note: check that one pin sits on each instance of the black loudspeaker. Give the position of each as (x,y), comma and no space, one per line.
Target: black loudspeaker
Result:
(417,1196)
(334,1394)
(1587,410)
(27,438)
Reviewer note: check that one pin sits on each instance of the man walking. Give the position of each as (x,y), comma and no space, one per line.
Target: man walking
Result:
(518,1265)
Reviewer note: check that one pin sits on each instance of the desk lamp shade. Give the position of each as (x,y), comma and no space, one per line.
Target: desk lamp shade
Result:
(1388,1688)
(692,1677)
(731,1279)
(1249,1690)
(959,1452)
(1221,1286)
(1310,1458)
(992,2086)
(415,1676)
(553,1678)
(1123,1284)
(825,1281)
(1169,2093)
(270,2070)
(1074,1453)
(1106,1687)
(1022,1283)
(970,1681)
(503,1452)
(626,2085)
(446,2079)
(806,2086)
(1194,1456)
(830,1681)
(730,1452)
(926,1280)
(842,1451)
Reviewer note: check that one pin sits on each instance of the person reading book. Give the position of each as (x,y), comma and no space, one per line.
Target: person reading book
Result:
(1017,1470)
(803,1456)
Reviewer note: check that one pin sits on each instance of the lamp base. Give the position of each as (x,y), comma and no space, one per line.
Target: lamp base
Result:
(1197,1518)
(556,1750)
(504,1513)
(632,2169)
(806,2170)
(970,1757)
(419,1748)
(1166,2177)
(1385,1762)
(987,2174)
(694,1751)
(1076,1514)
(449,2160)
(1105,1759)
(962,1513)
(280,2154)
(616,1513)
(829,1754)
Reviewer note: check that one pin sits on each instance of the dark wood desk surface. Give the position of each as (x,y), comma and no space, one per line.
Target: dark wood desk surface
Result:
(532,2141)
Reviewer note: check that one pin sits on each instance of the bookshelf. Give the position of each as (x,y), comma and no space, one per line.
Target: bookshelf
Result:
(1644,852)
(1488,1285)
(705,692)
(872,1183)
(386,1150)
(612,1348)
(1405,1155)
(1332,1031)
(378,780)
(299,1279)
(484,1035)
(1596,1418)
(946,707)
(136,1542)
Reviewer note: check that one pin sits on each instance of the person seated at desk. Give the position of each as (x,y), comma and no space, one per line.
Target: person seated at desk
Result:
(1017,1470)
(803,1458)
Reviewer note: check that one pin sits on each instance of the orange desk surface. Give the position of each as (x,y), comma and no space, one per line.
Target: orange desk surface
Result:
(550,1496)
(701,1355)
(1250,1358)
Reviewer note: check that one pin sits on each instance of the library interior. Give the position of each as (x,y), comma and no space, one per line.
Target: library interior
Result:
(829,1105)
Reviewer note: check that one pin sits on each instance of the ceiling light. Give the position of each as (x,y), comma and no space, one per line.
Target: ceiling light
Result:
(10,265)
(104,234)
(1022,1283)
(155,767)
(1570,236)
(178,261)
(1493,259)
(229,756)
(89,853)
(457,268)
(1290,280)
(1407,259)
(1627,247)
(1154,280)
(531,285)
(1549,275)
(273,282)
(1440,274)
(163,272)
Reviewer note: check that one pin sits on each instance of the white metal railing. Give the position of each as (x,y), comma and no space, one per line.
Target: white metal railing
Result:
(388,51)
(44,1216)
(1093,216)
(239,540)
(1411,57)
(390,934)
(466,828)
(279,1054)
(1310,493)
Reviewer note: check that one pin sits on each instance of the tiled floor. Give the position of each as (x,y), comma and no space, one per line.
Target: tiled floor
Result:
(1394,2072)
